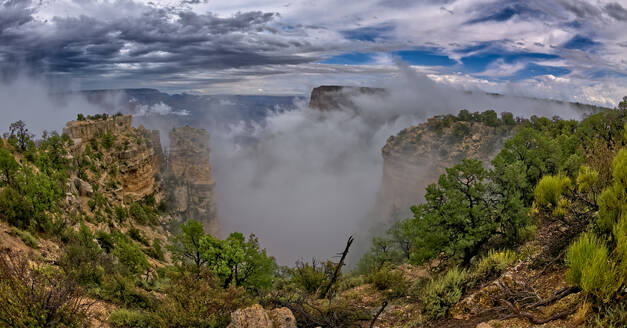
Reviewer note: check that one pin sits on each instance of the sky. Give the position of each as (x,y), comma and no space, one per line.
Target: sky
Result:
(574,50)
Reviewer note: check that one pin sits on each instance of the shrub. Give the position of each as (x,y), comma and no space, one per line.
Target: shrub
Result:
(442,293)
(121,290)
(311,278)
(138,235)
(550,189)
(196,300)
(390,281)
(34,296)
(508,118)
(83,259)
(25,236)
(590,268)
(108,140)
(130,256)
(461,130)
(125,318)
(493,265)
(106,241)
(156,251)
(121,213)
(612,316)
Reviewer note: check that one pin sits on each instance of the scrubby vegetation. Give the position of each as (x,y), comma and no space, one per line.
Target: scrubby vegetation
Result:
(553,203)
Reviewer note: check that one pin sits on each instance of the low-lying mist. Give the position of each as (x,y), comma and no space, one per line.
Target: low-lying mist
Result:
(310,178)
(301,179)
(33,101)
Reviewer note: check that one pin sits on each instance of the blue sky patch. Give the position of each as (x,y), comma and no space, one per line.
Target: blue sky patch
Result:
(580,42)
(533,70)
(424,58)
(351,58)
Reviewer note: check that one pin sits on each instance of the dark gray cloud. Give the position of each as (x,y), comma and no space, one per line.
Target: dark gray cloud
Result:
(159,41)
(617,11)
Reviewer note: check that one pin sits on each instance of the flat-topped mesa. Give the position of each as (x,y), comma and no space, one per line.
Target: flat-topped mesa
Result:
(331,97)
(418,155)
(190,180)
(85,130)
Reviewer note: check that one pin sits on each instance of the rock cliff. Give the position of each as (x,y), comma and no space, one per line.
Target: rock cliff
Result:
(86,130)
(330,97)
(189,177)
(131,158)
(418,155)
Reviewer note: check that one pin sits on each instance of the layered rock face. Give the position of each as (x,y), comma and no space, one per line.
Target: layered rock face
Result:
(330,97)
(418,155)
(190,180)
(132,158)
(89,129)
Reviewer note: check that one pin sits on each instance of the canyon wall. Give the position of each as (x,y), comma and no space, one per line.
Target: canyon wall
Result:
(131,165)
(189,177)
(418,155)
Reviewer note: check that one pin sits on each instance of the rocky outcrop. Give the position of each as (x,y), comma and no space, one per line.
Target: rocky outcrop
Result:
(418,155)
(81,131)
(256,317)
(189,177)
(331,97)
(130,162)
(139,165)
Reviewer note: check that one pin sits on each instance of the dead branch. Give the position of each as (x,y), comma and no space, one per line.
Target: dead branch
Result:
(385,303)
(338,269)
(520,313)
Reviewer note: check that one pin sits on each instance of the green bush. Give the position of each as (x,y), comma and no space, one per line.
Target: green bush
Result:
(611,316)
(130,256)
(121,213)
(442,293)
(311,278)
(156,251)
(106,241)
(390,281)
(550,189)
(25,236)
(36,296)
(125,318)
(138,235)
(590,268)
(83,260)
(492,265)
(108,140)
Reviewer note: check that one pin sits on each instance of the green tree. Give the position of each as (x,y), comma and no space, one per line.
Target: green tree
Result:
(19,132)
(238,261)
(130,255)
(185,246)
(463,213)
(8,166)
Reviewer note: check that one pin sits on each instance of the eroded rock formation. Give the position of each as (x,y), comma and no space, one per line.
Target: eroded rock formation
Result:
(189,177)
(330,97)
(418,155)
(131,157)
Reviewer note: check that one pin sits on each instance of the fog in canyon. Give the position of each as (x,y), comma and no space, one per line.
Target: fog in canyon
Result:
(300,179)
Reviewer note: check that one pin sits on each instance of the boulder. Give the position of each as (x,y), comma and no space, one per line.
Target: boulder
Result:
(84,188)
(282,318)
(250,317)
(256,317)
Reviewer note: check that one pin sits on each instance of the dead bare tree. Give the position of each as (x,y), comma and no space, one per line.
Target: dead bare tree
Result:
(338,269)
